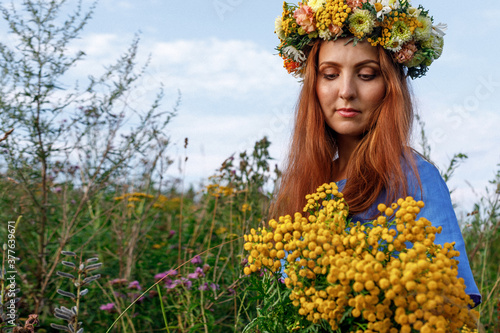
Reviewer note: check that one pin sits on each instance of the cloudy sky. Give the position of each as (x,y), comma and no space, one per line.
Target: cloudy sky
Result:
(220,55)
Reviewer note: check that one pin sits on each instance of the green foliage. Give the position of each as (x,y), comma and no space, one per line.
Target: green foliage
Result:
(275,312)
(482,239)
(219,299)
(69,145)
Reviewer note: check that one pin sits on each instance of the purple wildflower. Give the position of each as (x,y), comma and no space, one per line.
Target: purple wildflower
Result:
(169,284)
(203,287)
(135,285)
(214,286)
(198,273)
(184,282)
(196,260)
(206,268)
(188,284)
(160,276)
(171,233)
(231,291)
(171,272)
(107,307)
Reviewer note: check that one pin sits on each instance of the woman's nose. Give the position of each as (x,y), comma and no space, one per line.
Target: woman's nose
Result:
(347,88)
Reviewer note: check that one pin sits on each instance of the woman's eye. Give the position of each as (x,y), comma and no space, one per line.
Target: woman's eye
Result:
(367,77)
(330,76)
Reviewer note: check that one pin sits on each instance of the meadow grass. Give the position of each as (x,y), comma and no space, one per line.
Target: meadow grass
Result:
(151,284)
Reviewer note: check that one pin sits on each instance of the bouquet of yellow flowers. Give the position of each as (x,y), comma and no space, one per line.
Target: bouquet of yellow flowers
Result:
(383,276)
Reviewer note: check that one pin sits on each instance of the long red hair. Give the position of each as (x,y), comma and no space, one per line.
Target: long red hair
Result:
(376,163)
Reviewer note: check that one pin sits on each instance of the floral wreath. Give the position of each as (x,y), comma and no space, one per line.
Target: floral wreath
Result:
(407,32)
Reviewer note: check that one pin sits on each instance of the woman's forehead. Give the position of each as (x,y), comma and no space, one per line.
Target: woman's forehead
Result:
(342,50)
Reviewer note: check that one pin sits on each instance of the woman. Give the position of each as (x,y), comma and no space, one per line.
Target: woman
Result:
(354,115)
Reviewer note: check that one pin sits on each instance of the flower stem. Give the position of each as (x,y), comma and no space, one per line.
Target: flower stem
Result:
(162,307)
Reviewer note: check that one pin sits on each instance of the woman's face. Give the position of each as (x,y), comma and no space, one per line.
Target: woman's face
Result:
(349,86)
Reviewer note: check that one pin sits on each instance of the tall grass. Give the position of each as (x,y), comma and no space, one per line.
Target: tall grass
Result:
(137,236)
(482,238)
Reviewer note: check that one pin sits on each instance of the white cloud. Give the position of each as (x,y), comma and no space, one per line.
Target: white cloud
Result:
(101,46)
(217,67)
(114,4)
(210,68)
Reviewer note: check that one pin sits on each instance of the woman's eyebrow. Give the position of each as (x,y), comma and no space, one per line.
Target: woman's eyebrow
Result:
(359,64)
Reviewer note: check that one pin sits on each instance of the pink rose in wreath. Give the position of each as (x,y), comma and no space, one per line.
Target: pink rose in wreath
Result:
(304,16)
(406,53)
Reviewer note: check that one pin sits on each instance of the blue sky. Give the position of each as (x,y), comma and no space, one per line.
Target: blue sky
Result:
(220,55)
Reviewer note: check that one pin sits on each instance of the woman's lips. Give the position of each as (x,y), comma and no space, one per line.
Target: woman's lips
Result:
(348,113)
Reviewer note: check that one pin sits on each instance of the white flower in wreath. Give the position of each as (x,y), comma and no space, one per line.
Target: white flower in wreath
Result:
(383,7)
(325,34)
(395,44)
(439,30)
(294,54)
(278,28)
(414,12)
